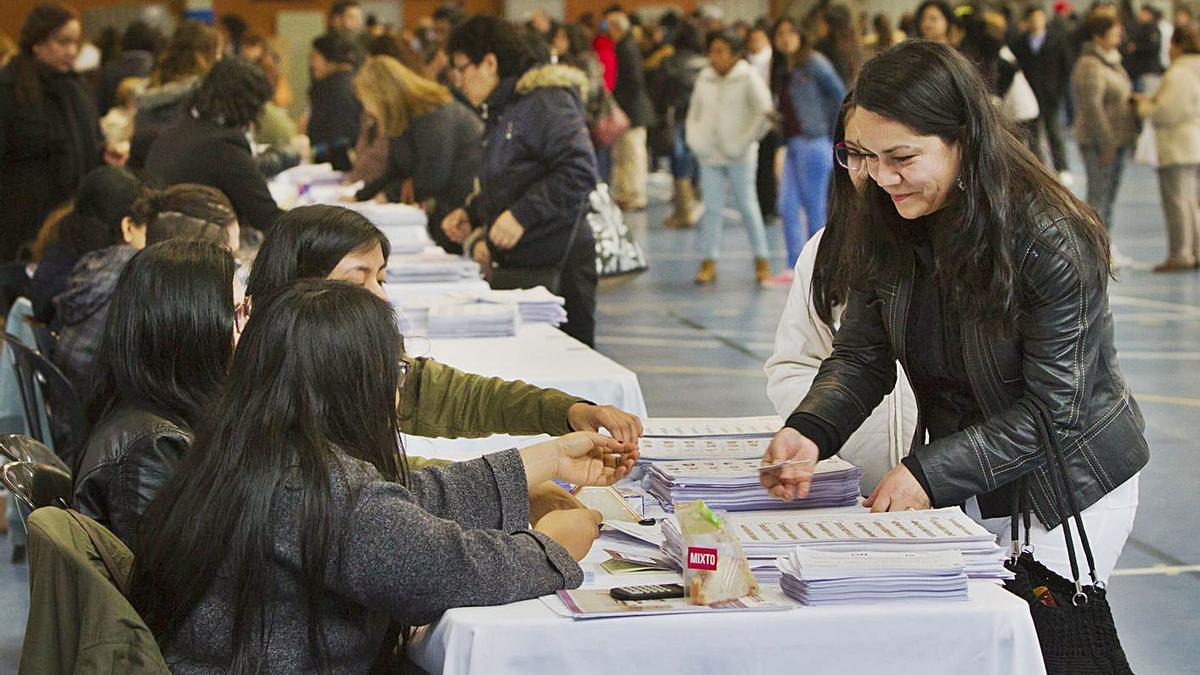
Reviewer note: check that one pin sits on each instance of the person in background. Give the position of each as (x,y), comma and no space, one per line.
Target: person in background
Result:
(262,52)
(730,110)
(192,50)
(139,44)
(883,35)
(525,226)
(329,516)
(371,148)
(813,92)
(49,139)
(332,123)
(100,206)
(804,337)
(211,147)
(988,280)
(841,45)
(346,17)
(1105,123)
(186,211)
(629,162)
(934,20)
(1174,110)
(760,54)
(679,79)
(1045,58)
(1143,50)
(158,368)
(233,29)
(435,141)
(116,125)
(8,49)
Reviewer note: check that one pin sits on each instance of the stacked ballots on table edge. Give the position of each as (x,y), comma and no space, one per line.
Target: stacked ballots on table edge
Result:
(767,536)
(734,485)
(867,577)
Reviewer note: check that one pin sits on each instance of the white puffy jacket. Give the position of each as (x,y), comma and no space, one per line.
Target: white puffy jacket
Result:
(802,342)
(727,115)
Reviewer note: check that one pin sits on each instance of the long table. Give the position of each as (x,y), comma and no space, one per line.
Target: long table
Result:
(990,633)
(539,354)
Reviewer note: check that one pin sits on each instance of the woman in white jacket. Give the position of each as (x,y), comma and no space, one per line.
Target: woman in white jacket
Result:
(729,111)
(1175,113)
(804,339)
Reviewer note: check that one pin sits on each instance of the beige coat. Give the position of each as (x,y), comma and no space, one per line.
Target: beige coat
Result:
(1102,92)
(1175,113)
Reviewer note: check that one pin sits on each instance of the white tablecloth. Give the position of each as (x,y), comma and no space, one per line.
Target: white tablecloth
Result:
(539,354)
(990,633)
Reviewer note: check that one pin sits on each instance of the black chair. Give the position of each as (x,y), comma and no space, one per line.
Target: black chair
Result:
(18,448)
(62,406)
(37,485)
(45,339)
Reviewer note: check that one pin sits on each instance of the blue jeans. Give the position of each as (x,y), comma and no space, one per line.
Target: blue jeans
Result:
(804,187)
(1103,181)
(713,181)
(683,162)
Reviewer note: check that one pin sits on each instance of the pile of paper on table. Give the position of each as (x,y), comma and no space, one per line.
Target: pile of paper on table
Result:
(863,577)
(477,320)
(428,268)
(536,305)
(734,485)
(687,438)
(767,536)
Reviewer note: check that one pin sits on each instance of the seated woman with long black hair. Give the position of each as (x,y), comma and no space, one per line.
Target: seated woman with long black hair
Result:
(294,532)
(332,242)
(987,279)
(167,341)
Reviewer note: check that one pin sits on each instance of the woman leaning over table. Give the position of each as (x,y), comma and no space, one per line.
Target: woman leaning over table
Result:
(325,541)
(987,280)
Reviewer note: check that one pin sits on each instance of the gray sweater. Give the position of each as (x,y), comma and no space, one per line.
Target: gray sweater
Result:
(458,536)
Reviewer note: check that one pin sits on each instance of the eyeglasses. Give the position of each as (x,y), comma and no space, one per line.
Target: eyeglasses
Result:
(848,159)
(241,314)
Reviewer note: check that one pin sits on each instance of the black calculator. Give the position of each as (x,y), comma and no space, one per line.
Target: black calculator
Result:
(648,592)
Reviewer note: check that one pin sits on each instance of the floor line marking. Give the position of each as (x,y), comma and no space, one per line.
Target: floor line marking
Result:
(1167,570)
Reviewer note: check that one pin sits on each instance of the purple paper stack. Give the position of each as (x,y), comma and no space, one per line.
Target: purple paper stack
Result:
(733,485)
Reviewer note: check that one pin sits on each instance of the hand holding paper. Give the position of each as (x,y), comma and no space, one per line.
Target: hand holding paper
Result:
(582,458)
(793,480)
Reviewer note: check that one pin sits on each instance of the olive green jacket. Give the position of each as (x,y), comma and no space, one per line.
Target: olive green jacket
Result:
(441,402)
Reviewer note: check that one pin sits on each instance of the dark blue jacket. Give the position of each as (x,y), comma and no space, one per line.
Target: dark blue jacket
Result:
(538,162)
(817,92)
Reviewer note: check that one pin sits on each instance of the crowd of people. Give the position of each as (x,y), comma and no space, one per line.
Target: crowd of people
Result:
(904,159)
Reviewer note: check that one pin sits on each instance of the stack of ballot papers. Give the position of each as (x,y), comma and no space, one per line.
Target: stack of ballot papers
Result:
(409,240)
(478,320)
(389,216)
(868,577)
(767,536)
(428,268)
(734,485)
(536,305)
(680,438)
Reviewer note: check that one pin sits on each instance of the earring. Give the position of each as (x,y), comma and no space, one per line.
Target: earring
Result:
(962,187)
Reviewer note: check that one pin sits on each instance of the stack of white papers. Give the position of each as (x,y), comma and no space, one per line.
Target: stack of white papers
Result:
(478,320)
(765,537)
(388,217)
(864,577)
(734,485)
(683,438)
(428,268)
(536,305)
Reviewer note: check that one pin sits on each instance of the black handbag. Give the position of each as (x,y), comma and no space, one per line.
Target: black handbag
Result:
(1074,622)
(508,278)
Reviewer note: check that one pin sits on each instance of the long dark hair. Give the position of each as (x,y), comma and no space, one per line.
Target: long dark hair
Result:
(308,242)
(232,93)
(935,91)
(844,40)
(192,50)
(168,336)
(105,197)
(831,282)
(41,22)
(315,373)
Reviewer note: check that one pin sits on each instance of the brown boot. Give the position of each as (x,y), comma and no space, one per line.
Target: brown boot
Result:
(762,270)
(707,272)
(689,209)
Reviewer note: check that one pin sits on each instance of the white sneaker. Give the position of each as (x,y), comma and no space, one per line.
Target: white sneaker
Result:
(1066,178)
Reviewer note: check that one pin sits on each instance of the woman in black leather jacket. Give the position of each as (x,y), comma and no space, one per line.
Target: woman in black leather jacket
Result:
(167,342)
(987,279)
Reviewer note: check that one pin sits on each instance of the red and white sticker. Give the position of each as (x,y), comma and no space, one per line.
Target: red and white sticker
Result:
(701,558)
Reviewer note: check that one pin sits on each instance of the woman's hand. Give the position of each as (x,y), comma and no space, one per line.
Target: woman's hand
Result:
(574,530)
(789,482)
(506,231)
(457,225)
(482,255)
(898,491)
(582,458)
(547,497)
(620,424)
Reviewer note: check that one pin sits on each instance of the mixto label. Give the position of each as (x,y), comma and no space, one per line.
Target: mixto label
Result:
(702,558)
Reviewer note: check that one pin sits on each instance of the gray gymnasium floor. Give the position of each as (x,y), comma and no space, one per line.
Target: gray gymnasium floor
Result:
(699,352)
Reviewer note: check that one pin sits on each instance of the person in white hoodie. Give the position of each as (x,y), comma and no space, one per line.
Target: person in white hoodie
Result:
(1175,113)
(804,339)
(730,111)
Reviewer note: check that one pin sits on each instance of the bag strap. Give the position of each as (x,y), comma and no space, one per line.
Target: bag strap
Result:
(118,578)
(562,264)
(1060,486)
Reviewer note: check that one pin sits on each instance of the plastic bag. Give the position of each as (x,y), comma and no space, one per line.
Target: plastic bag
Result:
(714,567)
